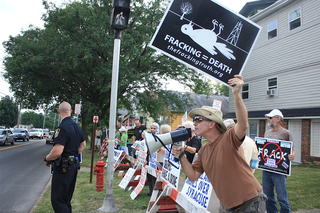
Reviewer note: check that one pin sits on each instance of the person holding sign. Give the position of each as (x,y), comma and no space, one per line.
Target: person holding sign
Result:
(272,180)
(222,158)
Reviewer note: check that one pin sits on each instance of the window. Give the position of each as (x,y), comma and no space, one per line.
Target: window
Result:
(166,119)
(295,19)
(252,131)
(272,29)
(160,119)
(315,139)
(245,91)
(272,86)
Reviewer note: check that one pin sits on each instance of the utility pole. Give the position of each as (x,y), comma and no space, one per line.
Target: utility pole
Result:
(119,21)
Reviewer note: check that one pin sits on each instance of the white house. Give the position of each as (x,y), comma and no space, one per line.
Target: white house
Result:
(283,72)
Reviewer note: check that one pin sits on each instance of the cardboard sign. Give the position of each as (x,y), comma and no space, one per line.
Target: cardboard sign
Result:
(207,37)
(127,178)
(141,183)
(198,192)
(171,169)
(273,155)
(116,158)
(217,104)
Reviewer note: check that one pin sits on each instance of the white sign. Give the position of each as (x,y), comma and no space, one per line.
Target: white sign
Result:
(171,169)
(127,178)
(77,109)
(217,104)
(116,157)
(95,119)
(185,117)
(141,183)
(198,192)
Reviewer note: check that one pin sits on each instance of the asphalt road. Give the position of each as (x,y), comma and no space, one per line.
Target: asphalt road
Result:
(23,175)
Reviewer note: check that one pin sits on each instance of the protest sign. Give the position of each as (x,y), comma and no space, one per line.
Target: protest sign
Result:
(152,167)
(171,169)
(273,155)
(141,183)
(185,117)
(199,191)
(207,37)
(127,178)
(117,157)
(217,104)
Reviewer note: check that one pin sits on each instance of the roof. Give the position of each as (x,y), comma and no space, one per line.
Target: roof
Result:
(289,113)
(200,100)
(253,7)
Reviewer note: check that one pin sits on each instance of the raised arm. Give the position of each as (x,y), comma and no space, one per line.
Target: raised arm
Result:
(241,110)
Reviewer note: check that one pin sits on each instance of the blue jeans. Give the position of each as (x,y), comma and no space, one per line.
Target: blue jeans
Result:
(269,182)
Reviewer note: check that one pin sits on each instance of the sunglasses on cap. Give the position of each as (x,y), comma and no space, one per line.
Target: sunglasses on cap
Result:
(198,119)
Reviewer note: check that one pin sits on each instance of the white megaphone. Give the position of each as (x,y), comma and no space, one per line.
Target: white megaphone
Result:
(154,142)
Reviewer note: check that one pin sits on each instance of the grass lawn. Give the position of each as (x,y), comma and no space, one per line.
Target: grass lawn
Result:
(303,188)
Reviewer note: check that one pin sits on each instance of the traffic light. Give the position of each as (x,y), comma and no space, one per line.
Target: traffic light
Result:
(120,14)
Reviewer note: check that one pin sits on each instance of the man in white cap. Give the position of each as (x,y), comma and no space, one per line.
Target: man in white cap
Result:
(272,180)
(248,145)
(222,159)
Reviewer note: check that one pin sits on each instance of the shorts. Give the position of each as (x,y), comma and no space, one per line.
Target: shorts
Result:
(97,142)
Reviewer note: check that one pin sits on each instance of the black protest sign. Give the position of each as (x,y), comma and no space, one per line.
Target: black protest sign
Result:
(274,155)
(207,37)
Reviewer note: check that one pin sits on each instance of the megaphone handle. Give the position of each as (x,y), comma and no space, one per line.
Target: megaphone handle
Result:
(178,144)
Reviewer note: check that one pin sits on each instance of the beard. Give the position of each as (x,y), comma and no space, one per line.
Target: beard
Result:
(272,124)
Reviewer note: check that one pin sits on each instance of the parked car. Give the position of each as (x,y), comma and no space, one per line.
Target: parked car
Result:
(21,134)
(49,137)
(6,136)
(36,133)
(45,132)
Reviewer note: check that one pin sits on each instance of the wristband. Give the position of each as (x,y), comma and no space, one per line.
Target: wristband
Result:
(44,159)
(182,154)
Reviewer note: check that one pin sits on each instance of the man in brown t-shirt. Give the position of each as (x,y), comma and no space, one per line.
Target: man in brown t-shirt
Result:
(222,158)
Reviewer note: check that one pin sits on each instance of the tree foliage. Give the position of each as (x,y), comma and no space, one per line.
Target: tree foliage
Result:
(8,112)
(221,89)
(36,120)
(71,60)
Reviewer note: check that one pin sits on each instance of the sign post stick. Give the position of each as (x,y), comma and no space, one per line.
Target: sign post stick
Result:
(92,149)
(109,201)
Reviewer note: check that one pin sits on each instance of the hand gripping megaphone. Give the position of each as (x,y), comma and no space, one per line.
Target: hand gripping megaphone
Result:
(154,142)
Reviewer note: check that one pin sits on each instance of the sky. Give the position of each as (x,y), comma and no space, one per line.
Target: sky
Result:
(17,15)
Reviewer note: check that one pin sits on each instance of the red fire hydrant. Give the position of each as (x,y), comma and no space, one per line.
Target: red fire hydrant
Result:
(99,171)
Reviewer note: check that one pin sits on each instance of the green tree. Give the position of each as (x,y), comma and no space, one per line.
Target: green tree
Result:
(8,112)
(221,89)
(71,59)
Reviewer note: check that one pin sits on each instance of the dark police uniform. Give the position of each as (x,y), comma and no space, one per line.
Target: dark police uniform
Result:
(70,135)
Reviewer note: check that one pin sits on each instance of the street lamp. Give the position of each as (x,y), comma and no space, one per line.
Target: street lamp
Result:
(119,21)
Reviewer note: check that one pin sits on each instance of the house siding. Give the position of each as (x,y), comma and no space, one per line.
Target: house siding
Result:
(293,58)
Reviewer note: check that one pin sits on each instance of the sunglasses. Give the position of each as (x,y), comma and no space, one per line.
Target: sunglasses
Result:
(198,119)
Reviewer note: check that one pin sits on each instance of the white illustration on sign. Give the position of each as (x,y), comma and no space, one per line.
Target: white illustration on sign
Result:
(234,35)
(208,39)
(119,18)
(186,8)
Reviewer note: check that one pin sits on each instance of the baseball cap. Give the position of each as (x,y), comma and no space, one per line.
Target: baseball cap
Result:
(274,112)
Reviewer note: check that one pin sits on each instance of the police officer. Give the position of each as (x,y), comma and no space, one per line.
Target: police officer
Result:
(68,142)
